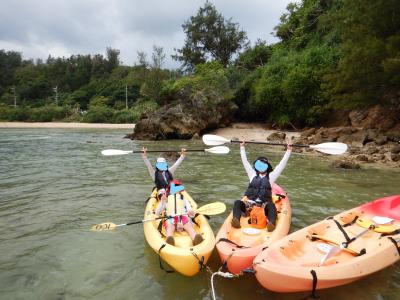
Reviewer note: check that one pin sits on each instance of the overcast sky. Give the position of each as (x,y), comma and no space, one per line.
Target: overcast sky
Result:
(38,28)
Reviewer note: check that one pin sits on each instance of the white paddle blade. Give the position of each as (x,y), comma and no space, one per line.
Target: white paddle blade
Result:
(333,148)
(110,152)
(382,220)
(214,140)
(332,252)
(218,150)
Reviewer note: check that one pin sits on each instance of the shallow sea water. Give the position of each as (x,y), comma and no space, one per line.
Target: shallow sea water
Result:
(55,184)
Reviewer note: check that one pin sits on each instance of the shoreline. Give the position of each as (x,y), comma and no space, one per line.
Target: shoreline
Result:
(63,125)
(251,131)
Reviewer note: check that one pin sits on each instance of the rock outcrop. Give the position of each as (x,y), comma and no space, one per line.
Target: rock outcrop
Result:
(183,121)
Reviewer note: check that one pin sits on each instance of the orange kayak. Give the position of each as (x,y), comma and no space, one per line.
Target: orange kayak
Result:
(239,247)
(335,251)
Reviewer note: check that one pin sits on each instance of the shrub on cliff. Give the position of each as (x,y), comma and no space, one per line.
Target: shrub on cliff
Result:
(207,87)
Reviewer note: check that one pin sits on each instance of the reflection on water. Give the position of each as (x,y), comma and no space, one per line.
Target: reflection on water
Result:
(55,184)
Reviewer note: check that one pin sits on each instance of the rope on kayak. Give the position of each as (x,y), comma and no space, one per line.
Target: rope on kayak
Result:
(395,243)
(222,274)
(159,258)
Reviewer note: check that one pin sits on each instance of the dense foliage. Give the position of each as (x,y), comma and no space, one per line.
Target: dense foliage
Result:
(331,54)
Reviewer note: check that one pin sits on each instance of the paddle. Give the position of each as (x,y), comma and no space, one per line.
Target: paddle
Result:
(335,250)
(208,209)
(328,148)
(214,150)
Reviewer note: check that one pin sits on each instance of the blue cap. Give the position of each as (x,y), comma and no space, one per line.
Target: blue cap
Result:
(162,166)
(261,166)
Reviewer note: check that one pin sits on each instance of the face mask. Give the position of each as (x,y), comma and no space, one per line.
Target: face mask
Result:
(261,166)
(162,166)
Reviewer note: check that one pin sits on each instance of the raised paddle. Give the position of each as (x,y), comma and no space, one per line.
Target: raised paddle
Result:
(210,209)
(334,148)
(335,250)
(214,150)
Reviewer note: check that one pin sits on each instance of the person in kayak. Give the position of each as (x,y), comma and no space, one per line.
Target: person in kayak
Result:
(261,177)
(162,176)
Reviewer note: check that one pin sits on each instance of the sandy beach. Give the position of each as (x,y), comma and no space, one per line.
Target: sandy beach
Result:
(246,131)
(64,125)
(249,132)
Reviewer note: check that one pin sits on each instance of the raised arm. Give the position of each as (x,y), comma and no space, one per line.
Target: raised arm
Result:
(273,176)
(148,163)
(247,166)
(178,162)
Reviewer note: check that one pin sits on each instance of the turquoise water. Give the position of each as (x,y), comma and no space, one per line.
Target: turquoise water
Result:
(55,184)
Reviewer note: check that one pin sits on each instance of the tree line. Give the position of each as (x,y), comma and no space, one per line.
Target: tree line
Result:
(331,54)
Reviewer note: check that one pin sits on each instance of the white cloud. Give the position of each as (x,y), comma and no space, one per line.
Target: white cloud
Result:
(66,27)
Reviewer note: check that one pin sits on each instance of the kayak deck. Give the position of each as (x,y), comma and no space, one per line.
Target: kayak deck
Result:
(183,257)
(286,266)
(240,254)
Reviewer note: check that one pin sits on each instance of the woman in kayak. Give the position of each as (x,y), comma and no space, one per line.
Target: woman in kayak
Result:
(162,176)
(259,190)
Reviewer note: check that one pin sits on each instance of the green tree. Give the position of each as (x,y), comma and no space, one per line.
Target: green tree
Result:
(210,37)
(370,48)
(254,57)
(9,62)
(152,86)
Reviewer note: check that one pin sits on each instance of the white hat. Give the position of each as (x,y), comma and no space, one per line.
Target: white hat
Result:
(161,160)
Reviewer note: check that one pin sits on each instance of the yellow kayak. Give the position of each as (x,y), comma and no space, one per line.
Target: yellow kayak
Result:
(183,257)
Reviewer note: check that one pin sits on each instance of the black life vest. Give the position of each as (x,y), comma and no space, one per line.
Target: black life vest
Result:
(161,181)
(260,188)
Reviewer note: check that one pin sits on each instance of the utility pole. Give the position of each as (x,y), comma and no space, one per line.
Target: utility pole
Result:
(56,91)
(126,96)
(15,96)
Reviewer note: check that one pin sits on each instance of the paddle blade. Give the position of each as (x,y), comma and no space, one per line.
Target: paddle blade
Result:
(104,226)
(214,140)
(212,209)
(332,252)
(218,150)
(333,148)
(110,152)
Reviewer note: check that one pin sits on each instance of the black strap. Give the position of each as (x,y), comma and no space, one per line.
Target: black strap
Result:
(313,237)
(395,244)
(314,284)
(397,231)
(200,260)
(159,228)
(362,252)
(351,222)
(159,257)
(230,242)
(346,236)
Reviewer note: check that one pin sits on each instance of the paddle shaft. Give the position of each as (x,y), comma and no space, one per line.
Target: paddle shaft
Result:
(187,150)
(148,220)
(270,143)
